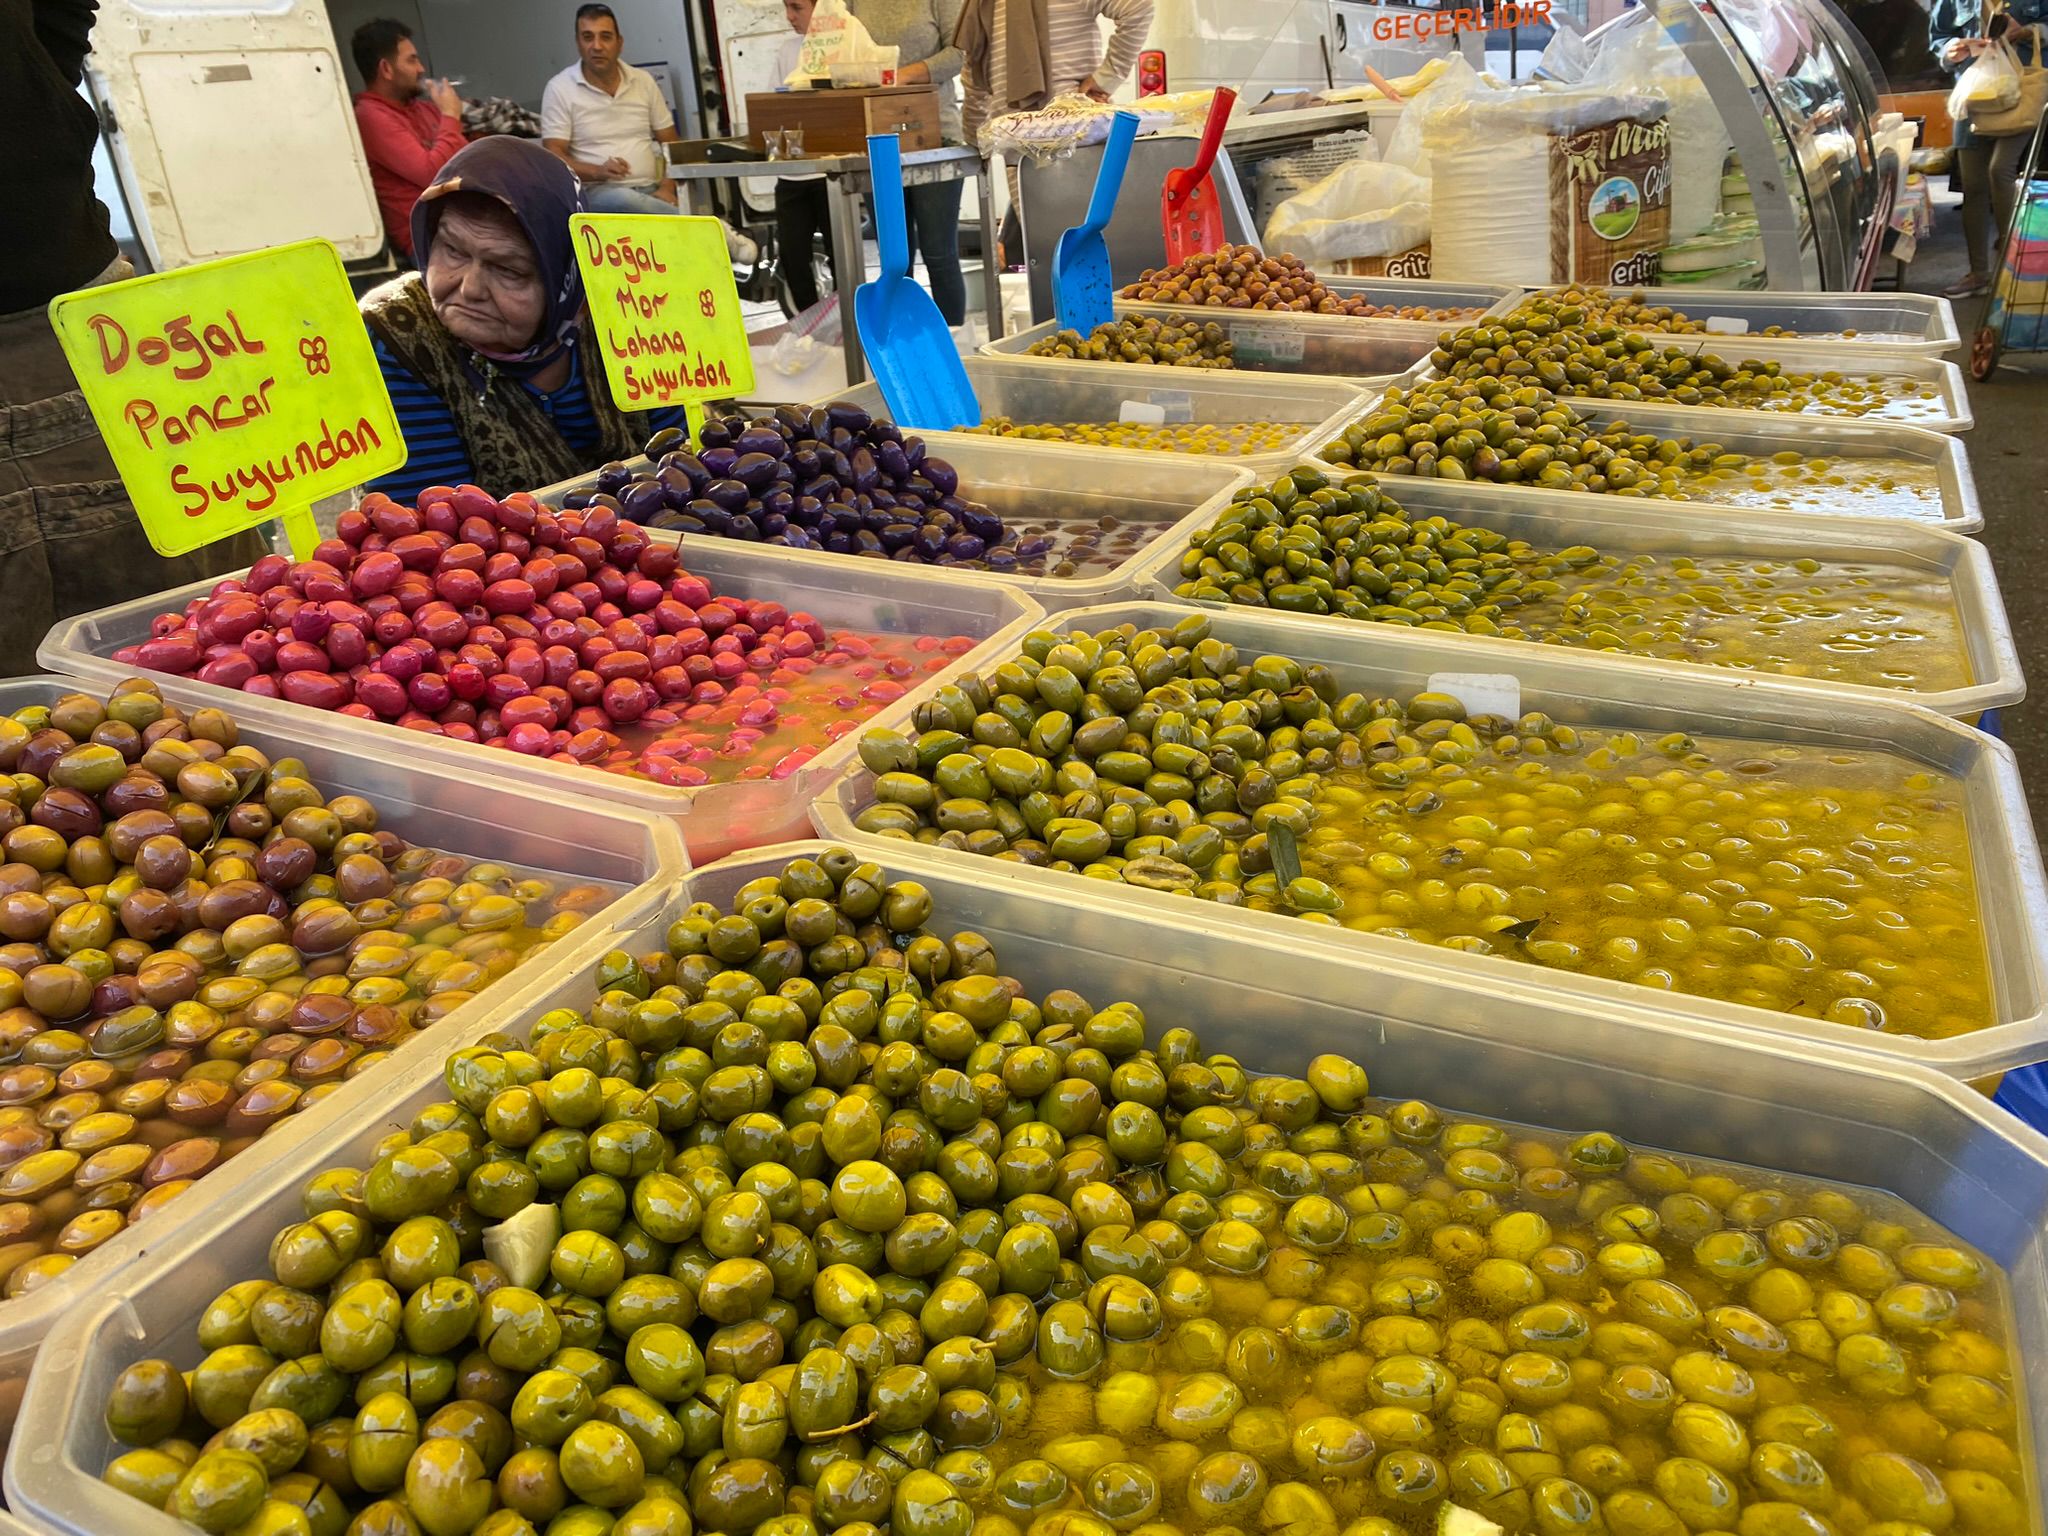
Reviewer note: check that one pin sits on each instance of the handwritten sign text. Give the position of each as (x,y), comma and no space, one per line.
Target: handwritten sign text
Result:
(233,392)
(666,309)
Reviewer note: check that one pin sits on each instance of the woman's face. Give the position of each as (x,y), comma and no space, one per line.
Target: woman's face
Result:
(483,280)
(798,14)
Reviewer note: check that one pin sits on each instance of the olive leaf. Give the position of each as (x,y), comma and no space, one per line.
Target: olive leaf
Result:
(258,782)
(1286,855)
(1521,930)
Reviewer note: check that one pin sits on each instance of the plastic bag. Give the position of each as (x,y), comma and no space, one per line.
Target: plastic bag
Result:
(1990,84)
(1566,58)
(1066,123)
(810,337)
(1366,208)
(835,35)
(1457,82)
(1642,56)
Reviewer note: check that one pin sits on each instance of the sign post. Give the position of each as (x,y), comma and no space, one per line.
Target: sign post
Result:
(232,392)
(666,309)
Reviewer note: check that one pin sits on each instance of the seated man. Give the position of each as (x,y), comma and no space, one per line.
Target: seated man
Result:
(410,125)
(605,118)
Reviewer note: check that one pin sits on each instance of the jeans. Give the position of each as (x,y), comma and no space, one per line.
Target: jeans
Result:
(933,212)
(1988,171)
(803,211)
(616,197)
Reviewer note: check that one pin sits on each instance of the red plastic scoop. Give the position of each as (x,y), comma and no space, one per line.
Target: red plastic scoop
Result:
(1190,212)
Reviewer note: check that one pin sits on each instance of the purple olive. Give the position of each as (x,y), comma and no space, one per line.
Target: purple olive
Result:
(575,501)
(895,536)
(965,546)
(667,439)
(840,543)
(744,527)
(717,433)
(778,501)
(864,471)
(1001,560)
(718,462)
(755,470)
(690,465)
(612,477)
(982,523)
(732,495)
(944,478)
(914,451)
(772,525)
(885,432)
(883,499)
(848,418)
(761,439)
(931,543)
(804,463)
(890,460)
(643,499)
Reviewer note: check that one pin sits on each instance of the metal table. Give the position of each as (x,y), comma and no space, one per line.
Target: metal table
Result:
(847,178)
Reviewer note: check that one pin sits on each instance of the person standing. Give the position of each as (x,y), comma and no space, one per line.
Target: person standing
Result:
(69,540)
(1079,64)
(803,206)
(922,33)
(411,125)
(1987,169)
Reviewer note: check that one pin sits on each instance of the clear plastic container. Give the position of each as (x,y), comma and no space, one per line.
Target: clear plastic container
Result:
(1628,525)
(458,808)
(1065,488)
(1485,300)
(883,596)
(1763,433)
(1594,690)
(1921,323)
(1789,1107)
(1268,342)
(1027,392)
(1947,411)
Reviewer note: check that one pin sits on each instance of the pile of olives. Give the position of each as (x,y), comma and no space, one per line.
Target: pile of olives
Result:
(1307,544)
(1535,344)
(1144,339)
(1164,759)
(196,943)
(1515,433)
(1244,277)
(1577,307)
(1218,439)
(817,1222)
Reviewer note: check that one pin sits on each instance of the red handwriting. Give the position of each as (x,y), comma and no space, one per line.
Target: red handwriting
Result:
(1390,28)
(707,303)
(255,487)
(181,427)
(640,306)
(179,340)
(657,386)
(635,257)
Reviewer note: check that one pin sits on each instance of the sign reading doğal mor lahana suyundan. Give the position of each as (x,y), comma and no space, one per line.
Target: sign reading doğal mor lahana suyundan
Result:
(233,392)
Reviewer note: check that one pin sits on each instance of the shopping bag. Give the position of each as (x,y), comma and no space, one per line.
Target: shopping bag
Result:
(835,36)
(1990,84)
(2024,113)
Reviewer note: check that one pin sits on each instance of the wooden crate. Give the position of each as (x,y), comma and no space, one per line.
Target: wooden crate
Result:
(838,122)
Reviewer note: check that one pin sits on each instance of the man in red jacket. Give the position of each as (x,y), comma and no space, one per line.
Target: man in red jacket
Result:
(411,126)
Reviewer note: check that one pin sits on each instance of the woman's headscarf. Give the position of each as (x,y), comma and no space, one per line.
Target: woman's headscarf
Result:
(541,191)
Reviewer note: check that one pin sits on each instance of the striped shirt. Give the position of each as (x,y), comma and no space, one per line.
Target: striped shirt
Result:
(435,453)
(1075,44)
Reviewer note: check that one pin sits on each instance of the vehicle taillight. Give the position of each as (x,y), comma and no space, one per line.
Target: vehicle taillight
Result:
(1152,72)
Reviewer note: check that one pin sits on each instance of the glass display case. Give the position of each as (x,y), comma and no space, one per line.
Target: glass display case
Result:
(1797,88)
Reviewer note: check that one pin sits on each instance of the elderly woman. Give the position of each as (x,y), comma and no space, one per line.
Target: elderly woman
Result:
(487,350)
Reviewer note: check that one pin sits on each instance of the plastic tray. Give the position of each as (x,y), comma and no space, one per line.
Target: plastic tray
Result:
(1273,343)
(1037,483)
(1762,433)
(1790,1107)
(458,808)
(1027,391)
(1953,414)
(1625,525)
(876,595)
(1919,323)
(1596,690)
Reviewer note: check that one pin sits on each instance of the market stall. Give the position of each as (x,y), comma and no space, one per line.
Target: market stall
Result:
(1386,954)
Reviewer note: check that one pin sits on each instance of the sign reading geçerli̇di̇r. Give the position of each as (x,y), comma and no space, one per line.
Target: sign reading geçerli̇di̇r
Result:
(665,308)
(232,392)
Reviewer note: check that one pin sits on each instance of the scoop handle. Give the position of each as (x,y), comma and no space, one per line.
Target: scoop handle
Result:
(885,179)
(1212,140)
(1109,176)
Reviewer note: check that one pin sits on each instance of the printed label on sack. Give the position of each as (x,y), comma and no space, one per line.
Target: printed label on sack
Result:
(665,306)
(1143,412)
(1610,202)
(1727,325)
(1413,263)
(1482,693)
(232,392)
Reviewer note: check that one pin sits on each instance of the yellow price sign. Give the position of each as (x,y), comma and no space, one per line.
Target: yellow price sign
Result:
(665,306)
(232,392)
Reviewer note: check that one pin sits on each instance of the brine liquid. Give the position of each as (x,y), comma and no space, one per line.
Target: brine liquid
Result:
(1831,884)
(1876,486)
(1879,626)
(1219,439)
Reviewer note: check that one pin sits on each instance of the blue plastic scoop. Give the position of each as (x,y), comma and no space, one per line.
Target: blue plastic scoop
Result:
(901,332)
(1081,286)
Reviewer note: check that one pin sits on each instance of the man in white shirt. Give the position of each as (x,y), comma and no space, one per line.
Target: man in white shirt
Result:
(608,121)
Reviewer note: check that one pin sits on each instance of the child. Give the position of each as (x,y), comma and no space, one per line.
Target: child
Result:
(802,205)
